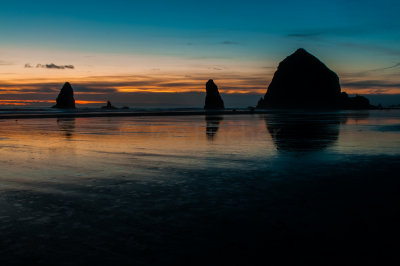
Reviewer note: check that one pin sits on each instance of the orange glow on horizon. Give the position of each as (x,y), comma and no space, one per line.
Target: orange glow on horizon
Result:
(28,102)
(389,91)
(96,89)
(87,102)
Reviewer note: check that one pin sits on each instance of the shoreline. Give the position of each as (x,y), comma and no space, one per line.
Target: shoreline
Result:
(78,114)
(101,113)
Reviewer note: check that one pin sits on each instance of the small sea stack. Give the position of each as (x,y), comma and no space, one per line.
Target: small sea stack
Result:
(65,99)
(213,98)
(109,106)
(303,81)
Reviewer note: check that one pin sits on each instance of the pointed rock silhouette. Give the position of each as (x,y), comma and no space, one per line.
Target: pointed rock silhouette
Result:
(109,106)
(302,80)
(65,98)
(213,98)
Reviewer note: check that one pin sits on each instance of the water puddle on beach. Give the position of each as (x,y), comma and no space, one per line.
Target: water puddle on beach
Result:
(188,188)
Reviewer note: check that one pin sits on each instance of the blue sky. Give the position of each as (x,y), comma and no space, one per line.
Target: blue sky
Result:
(357,39)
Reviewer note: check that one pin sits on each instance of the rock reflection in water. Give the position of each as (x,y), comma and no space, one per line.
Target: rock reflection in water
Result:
(304,132)
(212,125)
(66,125)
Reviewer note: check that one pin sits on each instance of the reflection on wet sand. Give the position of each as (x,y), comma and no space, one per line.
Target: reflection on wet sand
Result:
(304,132)
(151,191)
(212,126)
(66,125)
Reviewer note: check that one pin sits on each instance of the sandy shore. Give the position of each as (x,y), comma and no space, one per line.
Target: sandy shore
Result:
(119,113)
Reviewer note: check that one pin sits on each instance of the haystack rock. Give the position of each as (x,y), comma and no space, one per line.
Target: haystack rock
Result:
(213,98)
(303,81)
(65,98)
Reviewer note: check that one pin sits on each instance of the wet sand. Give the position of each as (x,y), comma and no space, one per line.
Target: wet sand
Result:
(195,190)
(76,113)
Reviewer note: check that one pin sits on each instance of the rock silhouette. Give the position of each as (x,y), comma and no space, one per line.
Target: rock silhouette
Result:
(65,98)
(213,98)
(302,80)
(109,106)
(356,102)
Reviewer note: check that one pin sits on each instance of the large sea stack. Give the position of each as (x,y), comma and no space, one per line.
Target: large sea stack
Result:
(65,98)
(303,81)
(213,98)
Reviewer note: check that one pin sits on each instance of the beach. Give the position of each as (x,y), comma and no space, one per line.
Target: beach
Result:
(272,188)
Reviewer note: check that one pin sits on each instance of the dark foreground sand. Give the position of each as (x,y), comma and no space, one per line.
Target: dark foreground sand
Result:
(350,217)
(207,203)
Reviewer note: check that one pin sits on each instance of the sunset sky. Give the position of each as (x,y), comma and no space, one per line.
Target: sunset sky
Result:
(161,53)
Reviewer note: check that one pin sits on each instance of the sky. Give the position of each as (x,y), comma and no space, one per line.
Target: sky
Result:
(161,53)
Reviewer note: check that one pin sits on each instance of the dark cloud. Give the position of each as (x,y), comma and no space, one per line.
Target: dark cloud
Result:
(333,31)
(229,43)
(315,34)
(54,66)
(52,87)
(386,68)
(382,68)
(304,35)
(50,66)
(366,84)
(218,68)
(89,89)
(382,71)
(32,87)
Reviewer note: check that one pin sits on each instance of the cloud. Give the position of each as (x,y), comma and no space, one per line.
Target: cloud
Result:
(50,66)
(373,48)
(229,43)
(304,35)
(269,67)
(93,90)
(314,34)
(110,85)
(163,90)
(53,88)
(382,72)
(333,31)
(217,68)
(53,66)
(370,84)
(5,63)
(386,68)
